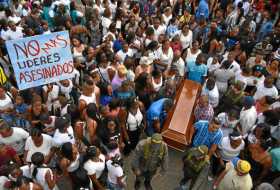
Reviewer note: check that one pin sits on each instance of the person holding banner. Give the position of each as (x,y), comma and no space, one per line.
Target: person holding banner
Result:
(56,63)
(50,95)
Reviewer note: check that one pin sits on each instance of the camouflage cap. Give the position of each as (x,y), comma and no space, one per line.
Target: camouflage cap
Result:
(156,138)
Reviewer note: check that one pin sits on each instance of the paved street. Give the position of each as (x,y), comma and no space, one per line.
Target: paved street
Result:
(167,182)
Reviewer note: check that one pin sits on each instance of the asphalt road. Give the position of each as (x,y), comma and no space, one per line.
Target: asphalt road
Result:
(169,181)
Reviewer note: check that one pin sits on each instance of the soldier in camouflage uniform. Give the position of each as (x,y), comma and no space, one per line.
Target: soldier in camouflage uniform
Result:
(150,154)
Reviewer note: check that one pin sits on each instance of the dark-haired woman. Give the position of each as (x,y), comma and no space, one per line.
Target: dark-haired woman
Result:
(34,112)
(38,142)
(64,132)
(71,164)
(258,155)
(86,130)
(111,134)
(103,67)
(94,165)
(89,53)
(24,183)
(78,48)
(144,89)
(135,122)
(116,175)
(41,173)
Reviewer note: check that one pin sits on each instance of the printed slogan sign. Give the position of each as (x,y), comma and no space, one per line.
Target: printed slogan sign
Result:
(41,59)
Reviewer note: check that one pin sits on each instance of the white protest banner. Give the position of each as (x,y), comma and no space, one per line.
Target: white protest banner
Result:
(41,59)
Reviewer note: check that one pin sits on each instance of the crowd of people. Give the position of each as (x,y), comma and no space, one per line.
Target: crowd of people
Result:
(130,57)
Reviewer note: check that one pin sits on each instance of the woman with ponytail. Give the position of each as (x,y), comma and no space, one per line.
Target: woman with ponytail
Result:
(95,165)
(71,164)
(41,173)
(24,183)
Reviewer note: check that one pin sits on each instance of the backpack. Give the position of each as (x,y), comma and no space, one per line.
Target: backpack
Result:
(147,152)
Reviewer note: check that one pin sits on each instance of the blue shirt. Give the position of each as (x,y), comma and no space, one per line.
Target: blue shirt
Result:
(105,99)
(204,137)
(171,30)
(265,29)
(123,95)
(22,108)
(117,45)
(196,72)
(156,112)
(202,10)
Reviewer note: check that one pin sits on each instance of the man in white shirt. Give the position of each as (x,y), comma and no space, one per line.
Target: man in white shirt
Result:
(235,67)
(158,28)
(266,89)
(124,52)
(50,95)
(248,115)
(13,136)
(211,90)
(14,31)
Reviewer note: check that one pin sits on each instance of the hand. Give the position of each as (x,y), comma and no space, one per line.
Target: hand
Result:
(137,172)
(222,162)
(207,158)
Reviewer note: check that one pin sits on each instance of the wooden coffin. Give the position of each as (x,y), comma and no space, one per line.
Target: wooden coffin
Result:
(178,126)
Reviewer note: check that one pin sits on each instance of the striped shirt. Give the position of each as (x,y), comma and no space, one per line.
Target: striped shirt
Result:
(204,137)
